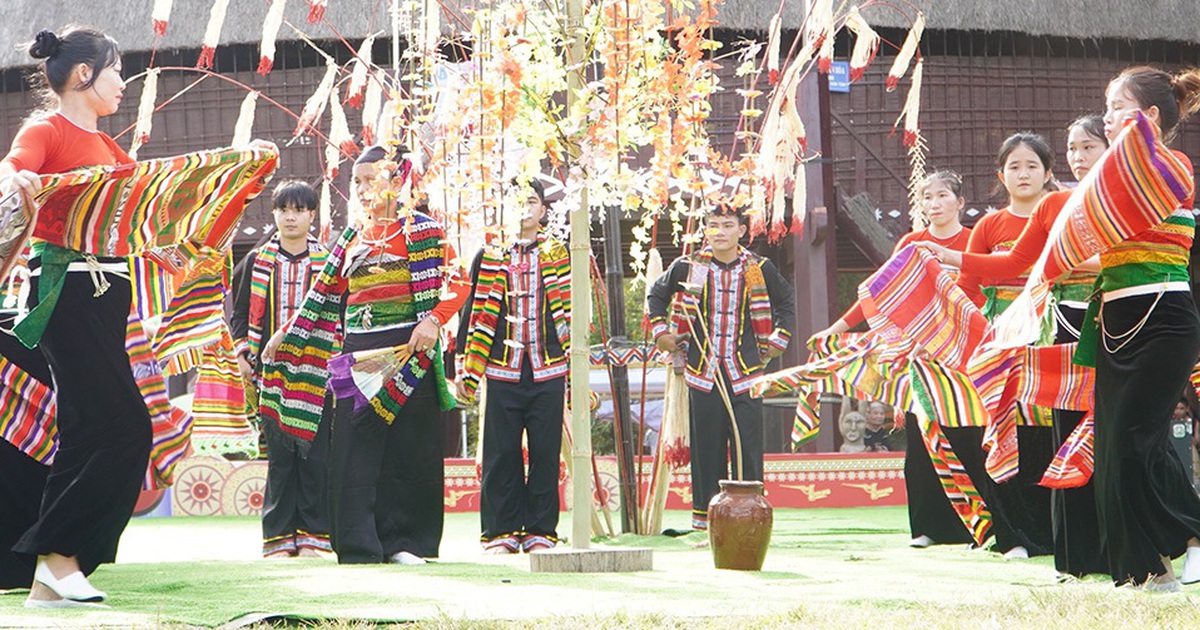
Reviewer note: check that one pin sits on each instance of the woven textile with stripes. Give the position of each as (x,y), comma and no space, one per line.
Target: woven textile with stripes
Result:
(171,427)
(135,208)
(912,297)
(195,315)
(1075,461)
(27,413)
(219,404)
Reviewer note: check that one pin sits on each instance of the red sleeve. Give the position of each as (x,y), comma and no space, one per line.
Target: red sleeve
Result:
(28,152)
(456,286)
(1025,251)
(977,244)
(855,315)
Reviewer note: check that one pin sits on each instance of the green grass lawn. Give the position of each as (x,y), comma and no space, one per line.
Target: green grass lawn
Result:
(836,568)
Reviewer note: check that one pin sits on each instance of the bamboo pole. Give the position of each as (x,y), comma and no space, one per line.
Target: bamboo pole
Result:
(581,307)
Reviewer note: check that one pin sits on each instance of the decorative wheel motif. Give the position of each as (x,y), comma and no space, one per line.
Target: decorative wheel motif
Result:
(608,492)
(198,490)
(245,491)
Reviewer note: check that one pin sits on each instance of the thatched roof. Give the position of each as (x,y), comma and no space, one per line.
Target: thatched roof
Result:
(129,20)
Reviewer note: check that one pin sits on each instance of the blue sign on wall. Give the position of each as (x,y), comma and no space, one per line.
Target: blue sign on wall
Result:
(839,77)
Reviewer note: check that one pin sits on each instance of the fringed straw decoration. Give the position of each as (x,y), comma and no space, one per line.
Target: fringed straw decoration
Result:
(316,10)
(799,200)
(916,146)
(325,213)
(819,24)
(866,43)
(315,106)
(341,142)
(141,132)
(212,34)
(270,32)
(372,105)
(360,73)
(245,121)
(773,49)
(160,15)
(825,54)
(783,145)
(912,107)
(900,65)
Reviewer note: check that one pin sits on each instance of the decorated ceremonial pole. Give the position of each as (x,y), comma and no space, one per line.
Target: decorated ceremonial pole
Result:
(581,307)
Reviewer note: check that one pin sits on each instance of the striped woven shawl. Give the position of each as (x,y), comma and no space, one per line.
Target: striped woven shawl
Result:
(263,307)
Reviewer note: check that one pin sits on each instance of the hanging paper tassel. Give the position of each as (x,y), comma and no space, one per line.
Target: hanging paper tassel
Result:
(900,65)
(159,15)
(141,132)
(339,129)
(212,34)
(359,74)
(819,24)
(773,49)
(316,10)
(270,32)
(245,121)
(825,55)
(324,213)
(912,107)
(315,106)
(372,105)
(866,43)
(799,198)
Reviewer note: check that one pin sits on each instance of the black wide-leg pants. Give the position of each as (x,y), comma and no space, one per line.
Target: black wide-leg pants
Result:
(1145,501)
(929,510)
(387,480)
(296,501)
(104,428)
(712,447)
(512,503)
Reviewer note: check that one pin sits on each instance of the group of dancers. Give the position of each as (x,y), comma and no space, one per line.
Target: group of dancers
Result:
(1132,313)
(357,469)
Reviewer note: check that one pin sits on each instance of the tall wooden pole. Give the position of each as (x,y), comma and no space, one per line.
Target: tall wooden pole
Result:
(627,443)
(581,310)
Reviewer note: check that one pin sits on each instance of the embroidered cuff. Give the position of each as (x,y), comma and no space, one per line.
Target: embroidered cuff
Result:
(658,327)
(780,338)
(241,347)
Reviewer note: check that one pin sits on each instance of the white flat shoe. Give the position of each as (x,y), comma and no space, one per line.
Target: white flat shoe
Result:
(1017,553)
(406,558)
(1191,566)
(920,542)
(71,587)
(61,603)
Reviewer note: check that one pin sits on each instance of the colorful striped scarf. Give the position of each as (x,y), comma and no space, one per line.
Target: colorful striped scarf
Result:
(754,294)
(172,429)
(491,289)
(27,413)
(912,297)
(219,405)
(293,386)
(1135,186)
(263,308)
(133,208)
(195,314)
(1075,461)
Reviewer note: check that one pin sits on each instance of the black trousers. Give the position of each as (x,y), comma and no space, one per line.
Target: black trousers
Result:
(929,510)
(387,480)
(712,442)
(511,502)
(103,426)
(1020,507)
(1145,501)
(296,501)
(1077,549)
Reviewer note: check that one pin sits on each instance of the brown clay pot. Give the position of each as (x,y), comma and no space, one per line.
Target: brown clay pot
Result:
(739,526)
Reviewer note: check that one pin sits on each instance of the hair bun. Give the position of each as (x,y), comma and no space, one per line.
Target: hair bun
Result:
(45,45)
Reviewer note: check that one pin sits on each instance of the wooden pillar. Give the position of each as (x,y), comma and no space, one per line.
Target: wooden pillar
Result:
(814,254)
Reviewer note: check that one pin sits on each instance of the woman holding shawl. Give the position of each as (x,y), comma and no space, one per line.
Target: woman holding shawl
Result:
(1077,549)
(1021,508)
(931,518)
(81,302)
(384,284)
